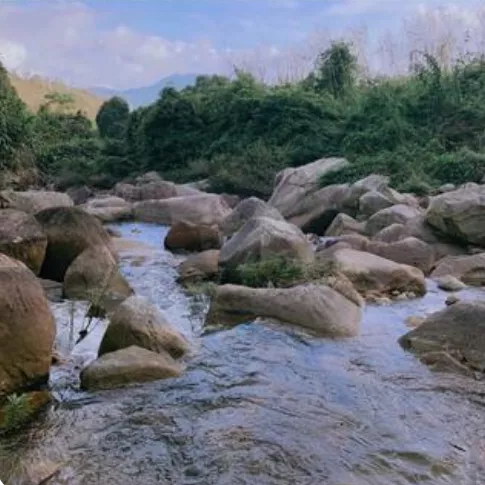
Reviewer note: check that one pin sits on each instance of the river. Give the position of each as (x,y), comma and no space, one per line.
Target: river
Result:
(259,404)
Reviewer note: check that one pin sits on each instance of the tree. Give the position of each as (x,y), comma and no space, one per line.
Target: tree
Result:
(15,123)
(112,118)
(336,71)
(61,102)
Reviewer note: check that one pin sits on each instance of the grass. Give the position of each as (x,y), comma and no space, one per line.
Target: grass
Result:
(16,412)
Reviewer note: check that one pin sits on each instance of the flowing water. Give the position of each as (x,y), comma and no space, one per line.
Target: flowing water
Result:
(260,404)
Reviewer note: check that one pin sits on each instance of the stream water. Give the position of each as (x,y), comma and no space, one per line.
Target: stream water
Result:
(259,404)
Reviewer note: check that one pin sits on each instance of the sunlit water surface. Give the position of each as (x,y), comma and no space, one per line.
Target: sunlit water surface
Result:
(260,404)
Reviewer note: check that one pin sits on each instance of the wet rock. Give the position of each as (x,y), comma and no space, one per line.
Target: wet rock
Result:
(32,201)
(109,209)
(410,251)
(414,321)
(458,330)
(137,322)
(261,237)
(460,214)
(344,224)
(80,195)
(207,209)
(449,283)
(468,269)
(199,267)
(95,273)
(397,214)
(451,300)
(192,237)
(319,308)
(22,238)
(26,326)
(246,210)
(127,366)
(374,275)
(69,232)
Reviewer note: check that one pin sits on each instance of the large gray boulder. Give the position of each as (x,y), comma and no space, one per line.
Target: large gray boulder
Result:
(262,237)
(460,214)
(69,232)
(137,322)
(199,267)
(153,190)
(373,275)
(32,201)
(131,365)
(469,269)
(246,210)
(27,328)
(294,184)
(410,251)
(397,214)
(206,209)
(319,308)
(94,274)
(458,330)
(22,238)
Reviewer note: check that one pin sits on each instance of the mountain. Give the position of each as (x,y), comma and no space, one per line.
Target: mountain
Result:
(148,94)
(33,89)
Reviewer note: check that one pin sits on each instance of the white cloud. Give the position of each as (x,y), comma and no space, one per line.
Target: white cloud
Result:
(63,40)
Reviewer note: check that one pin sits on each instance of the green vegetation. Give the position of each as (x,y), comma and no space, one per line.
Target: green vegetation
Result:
(273,271)
(16,412)
(422,130)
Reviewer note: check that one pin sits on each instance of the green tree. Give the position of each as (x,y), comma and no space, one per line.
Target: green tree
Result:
(336,71)
(15,124)
(112,118)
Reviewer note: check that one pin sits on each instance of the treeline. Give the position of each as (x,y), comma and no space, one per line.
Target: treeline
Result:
(423,130)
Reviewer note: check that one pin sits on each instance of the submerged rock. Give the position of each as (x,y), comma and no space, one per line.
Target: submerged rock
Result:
(319,308)
(127,366)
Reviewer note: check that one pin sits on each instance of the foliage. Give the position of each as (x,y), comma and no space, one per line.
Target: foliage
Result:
(15,125)
(112,118)
(275,270)
(421,130)
(17,411)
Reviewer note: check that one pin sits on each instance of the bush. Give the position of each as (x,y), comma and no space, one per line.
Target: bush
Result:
(277,271)
(17,412)
(459,167)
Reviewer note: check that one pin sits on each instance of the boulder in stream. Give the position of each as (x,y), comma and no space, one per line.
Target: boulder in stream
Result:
(27,328)
(192,237)
(32,201)
(137,322)
(130,365)
(324,310)
(458,330)
(69,232)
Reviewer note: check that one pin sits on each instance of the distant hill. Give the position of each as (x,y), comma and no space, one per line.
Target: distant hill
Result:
(143,96)
(33,89)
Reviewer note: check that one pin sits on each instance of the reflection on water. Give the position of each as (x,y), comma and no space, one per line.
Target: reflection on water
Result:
(261,404)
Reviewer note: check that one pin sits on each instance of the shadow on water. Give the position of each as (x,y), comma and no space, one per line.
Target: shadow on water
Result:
(262,404)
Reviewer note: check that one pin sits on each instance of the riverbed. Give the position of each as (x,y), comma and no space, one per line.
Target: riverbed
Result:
(259,404)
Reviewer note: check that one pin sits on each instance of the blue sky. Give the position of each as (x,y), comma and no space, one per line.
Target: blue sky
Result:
(126,43)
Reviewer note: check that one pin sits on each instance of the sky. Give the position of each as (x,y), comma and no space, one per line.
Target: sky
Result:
(131,43)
